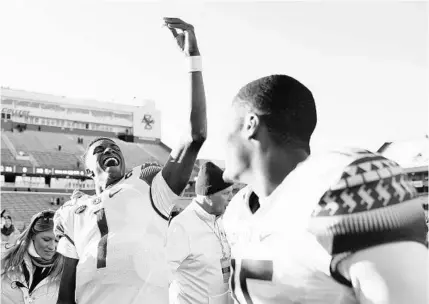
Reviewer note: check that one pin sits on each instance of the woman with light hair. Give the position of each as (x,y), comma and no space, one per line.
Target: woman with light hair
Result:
(31,269)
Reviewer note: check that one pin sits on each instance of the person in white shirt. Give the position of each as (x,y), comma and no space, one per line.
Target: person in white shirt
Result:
(341,227)
(113,242)
(198,253)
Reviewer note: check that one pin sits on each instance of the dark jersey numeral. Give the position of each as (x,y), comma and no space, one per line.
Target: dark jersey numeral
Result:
(104,230)
(102,244)
(250,269)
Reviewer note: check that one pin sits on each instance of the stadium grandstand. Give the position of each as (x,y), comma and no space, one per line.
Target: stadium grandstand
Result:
(44,136)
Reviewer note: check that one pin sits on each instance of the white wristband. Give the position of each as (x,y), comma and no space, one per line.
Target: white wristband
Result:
(195,64)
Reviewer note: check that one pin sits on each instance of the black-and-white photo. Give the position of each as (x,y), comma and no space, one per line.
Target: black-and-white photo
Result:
(214,152)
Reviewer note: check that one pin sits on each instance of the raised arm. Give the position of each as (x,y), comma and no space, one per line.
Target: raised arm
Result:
(180,164)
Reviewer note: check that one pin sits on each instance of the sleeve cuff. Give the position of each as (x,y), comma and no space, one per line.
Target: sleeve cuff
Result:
(163,197)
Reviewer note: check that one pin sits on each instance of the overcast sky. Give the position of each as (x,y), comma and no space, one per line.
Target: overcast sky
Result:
(365,62)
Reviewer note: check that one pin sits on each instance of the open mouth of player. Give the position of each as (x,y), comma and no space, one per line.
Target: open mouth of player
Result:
(110,161)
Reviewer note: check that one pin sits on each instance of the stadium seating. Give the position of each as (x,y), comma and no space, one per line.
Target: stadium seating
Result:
(23,205)
(42,151)
(155,149)
(25,141)
(8,159)
(58,160)
(43,148)
(135,155)
(44,141)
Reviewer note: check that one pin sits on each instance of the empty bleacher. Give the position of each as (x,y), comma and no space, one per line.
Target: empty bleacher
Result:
(44,141)
(58,160)
(43,148)
(135,155)
(23,205)
(8,159)
(155,149)
(3,144)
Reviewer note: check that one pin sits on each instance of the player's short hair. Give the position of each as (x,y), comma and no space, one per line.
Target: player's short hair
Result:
(93,142)
(284,105)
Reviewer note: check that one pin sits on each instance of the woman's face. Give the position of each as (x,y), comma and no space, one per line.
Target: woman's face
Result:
(45,244)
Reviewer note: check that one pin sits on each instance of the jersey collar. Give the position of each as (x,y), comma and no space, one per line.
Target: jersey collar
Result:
(204,215)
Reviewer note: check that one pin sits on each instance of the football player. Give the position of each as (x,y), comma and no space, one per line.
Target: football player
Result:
(341,227)
(113,242)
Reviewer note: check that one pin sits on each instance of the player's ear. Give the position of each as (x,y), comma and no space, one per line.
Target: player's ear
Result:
(251,125)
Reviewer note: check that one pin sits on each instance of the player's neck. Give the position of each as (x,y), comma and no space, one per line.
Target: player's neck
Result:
(103,185)
(269,169)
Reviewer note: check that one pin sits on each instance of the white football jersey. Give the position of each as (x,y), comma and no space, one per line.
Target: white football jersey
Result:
(287,251)
(119,238)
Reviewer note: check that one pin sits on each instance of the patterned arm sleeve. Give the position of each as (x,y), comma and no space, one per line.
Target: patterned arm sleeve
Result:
(373,203)
(64,230)
(161,195)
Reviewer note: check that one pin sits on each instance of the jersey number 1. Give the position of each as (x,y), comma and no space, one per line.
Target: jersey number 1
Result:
(102,244)
(104,231)
(251,269)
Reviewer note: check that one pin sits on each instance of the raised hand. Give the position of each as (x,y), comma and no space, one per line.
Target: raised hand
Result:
(184,34)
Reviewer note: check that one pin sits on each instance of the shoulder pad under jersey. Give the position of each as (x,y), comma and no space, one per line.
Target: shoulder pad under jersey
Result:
(148,171)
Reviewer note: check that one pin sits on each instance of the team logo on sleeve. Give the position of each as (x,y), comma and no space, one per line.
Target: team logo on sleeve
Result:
(80,209)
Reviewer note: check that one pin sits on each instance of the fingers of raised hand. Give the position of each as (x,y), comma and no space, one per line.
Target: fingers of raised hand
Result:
(168,20)
(181,26)
(176,23)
